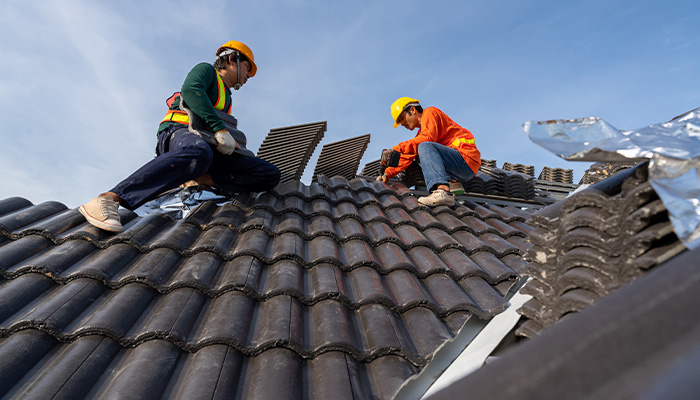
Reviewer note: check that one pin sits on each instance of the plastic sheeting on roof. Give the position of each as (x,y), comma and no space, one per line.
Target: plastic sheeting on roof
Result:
(673,147)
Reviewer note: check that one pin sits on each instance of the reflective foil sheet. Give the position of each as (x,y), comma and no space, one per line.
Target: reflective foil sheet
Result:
(178,202)
(673,147)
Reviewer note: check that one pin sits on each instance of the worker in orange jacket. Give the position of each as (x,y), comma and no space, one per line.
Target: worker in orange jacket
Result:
(446,152)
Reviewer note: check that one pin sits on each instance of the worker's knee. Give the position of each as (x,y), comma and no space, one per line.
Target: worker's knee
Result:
(269,176)
(425,147)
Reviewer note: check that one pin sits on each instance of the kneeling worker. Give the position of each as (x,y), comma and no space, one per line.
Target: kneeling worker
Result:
(446,151)
(209,155)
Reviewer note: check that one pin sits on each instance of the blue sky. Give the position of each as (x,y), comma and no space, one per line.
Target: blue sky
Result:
(84,83)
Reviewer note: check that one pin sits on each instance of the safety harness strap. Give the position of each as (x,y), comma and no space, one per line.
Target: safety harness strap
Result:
(181,116)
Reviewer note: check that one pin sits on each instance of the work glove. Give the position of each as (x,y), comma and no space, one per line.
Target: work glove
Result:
(390,158)
(225,142)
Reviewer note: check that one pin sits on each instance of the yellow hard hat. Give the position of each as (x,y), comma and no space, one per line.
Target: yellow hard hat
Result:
(401,104)
(245,50)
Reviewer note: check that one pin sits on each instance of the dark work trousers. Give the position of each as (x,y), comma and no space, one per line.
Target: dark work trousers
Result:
(182,156)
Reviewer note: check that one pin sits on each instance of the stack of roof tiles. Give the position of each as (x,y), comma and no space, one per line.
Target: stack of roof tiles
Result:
(524,169)
(557,175)
(603,170)
(290,148)
(489,163)
(593,243)
(488,180)
(339,289)
(412,176)
(498,182)
(372,168)
(341,158)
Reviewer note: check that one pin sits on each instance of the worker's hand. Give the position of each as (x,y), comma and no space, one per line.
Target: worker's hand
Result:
(226,144)
(382,178)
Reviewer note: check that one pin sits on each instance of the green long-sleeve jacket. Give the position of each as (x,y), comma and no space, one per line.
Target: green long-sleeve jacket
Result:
(200,93)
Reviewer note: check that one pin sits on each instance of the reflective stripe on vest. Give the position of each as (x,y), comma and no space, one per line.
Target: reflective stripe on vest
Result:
(457,142)
(176,116)
(181,116)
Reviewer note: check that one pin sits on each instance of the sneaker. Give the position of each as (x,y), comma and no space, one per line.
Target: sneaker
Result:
(102,213)
(438,198)
(456,188)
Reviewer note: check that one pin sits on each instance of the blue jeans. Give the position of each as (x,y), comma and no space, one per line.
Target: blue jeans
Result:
(440,164)
(183,156)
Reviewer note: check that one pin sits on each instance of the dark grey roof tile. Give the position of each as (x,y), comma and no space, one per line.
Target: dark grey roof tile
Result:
(323,249)
(200,271)
(288,245)
(151,268)
(345,210)
(425,331)
(586,278)
(158,228)
(427,262)
(67,371)
(11,205)
(448,295)
(494,268)
(25,216)
(20,353)
(487,299)
(521,243)
(390,256)
(460,264)
(387,374)
(538,288)
(587,237)
(227,319)
(503,229)
(54,259)
(398,215)
(516,263)
(424,218)
(530,329)
(504,287)
(350,228)
(442,240)
(372,212)
(252,243)
(367,285)
(357,252)
(135,376)
(17,293)
(476,225)
(500,246)
(410,236)
(55,309)
(213,372)
(16,251)
(379,232)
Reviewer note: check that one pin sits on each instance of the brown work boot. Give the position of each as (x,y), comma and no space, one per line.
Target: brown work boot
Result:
(438,198)
(102,213)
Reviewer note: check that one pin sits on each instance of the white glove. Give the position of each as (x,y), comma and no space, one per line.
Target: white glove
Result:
(226,143)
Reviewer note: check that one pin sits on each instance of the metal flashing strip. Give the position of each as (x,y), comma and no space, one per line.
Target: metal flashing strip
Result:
(476,353)
(466,353)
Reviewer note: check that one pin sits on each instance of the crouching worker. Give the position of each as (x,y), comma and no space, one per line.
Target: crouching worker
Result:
(446,152)
(197,140)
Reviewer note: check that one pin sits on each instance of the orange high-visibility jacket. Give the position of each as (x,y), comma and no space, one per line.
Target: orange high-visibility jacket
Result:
(437,127)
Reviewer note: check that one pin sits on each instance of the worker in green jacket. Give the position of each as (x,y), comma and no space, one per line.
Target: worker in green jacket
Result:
(197,140)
